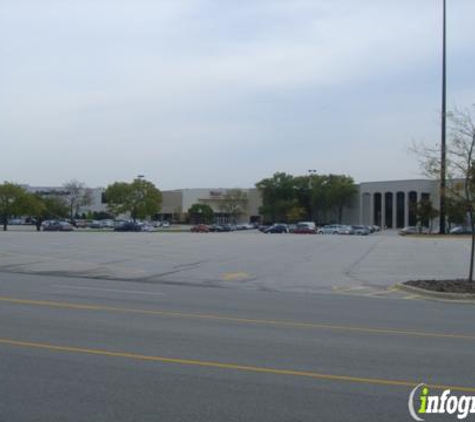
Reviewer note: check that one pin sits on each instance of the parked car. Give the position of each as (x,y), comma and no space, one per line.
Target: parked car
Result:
(57,226)
(329,229)
(304,228)
(165,224)
(94,224)
(346,230)
(277,228)
(128,226)
(200,228)
(80,223)
(413,230)
(361,230)
(216,228)
(461,230)
(106,224)
(310,224)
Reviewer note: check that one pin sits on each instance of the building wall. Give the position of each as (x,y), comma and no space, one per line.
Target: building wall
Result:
(385,203)
(388,204)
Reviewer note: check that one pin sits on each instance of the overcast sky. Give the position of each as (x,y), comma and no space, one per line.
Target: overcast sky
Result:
(222,93)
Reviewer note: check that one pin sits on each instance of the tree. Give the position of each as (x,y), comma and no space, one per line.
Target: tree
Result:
(455,212)
(140,198)
(285,196)
(11,202)
(341,191)
(460,166)
(279,195)
(234,202)
(44,208)
(77,195)
(295,214)
(425,213)
(201,214)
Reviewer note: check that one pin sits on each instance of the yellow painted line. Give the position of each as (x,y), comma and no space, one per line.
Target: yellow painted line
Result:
(411,297)
(345,289)
(234,276)
(381,292)
(231,366)
(277,323)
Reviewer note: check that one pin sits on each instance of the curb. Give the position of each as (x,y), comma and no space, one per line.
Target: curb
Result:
(435,295)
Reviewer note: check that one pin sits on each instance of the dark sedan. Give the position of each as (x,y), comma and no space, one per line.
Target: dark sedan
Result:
(277,228)
(128,226)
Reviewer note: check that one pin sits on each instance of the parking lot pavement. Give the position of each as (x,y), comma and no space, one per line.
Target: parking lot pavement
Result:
(246,260)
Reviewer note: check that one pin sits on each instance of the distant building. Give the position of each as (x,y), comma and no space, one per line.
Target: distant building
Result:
(388,204)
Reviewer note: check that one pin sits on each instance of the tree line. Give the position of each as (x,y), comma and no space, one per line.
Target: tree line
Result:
(140,199)
(320,198)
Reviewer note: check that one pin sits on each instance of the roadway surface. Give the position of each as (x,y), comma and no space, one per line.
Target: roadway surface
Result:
(205,328)
(103,350)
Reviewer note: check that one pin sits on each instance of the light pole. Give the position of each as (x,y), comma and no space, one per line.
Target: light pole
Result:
(310,172)
(443,127)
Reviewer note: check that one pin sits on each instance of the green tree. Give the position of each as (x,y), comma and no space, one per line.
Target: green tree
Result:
(140,198)
(295,214)
(455,212)
(314,195)
(11,202)
(340,191)
(201,214)
(234,202)
(44,208)
(279,195)
(425,213)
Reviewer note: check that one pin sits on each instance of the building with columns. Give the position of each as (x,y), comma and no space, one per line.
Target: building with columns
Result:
(391,204)
(388,204)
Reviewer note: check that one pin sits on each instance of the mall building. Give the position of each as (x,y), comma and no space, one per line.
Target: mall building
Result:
(388,204)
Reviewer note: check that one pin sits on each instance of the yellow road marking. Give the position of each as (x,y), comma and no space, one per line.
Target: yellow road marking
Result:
(277,323)
(234,276)
(232,366)
(411,297)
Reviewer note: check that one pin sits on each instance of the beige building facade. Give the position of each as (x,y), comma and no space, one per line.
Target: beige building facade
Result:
(388,204)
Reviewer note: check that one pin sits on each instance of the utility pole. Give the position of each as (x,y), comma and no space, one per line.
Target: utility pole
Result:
(443,127)
(310,173)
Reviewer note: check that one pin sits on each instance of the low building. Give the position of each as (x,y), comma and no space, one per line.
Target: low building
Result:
(388,204)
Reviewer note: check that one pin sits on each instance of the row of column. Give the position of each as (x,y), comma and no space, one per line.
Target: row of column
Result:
(390,209)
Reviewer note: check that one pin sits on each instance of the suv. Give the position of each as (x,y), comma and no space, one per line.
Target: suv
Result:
(277,228)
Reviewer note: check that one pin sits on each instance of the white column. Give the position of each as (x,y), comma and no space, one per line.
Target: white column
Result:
(394,210)
(371,209)
(361,208)
(406,209)
(383,210)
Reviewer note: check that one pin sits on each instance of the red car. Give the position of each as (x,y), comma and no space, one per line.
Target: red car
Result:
(200,228)
(304,229)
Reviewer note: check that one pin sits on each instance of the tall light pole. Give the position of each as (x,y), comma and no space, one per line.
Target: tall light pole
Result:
(310,172)
(443,127)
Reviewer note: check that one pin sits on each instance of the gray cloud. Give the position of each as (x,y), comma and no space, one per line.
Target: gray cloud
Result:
(200,93)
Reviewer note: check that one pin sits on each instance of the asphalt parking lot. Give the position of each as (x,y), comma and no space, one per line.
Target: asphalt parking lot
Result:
(243,260)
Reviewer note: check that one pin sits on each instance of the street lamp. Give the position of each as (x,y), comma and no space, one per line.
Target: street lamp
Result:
(310,172)
(443,128)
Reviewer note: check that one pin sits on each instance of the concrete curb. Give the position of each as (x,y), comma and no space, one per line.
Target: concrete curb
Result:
(435,295)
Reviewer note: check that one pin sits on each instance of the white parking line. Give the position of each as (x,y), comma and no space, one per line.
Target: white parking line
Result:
(137,292)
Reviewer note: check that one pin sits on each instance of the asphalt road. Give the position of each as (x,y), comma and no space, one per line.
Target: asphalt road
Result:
(78,349)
